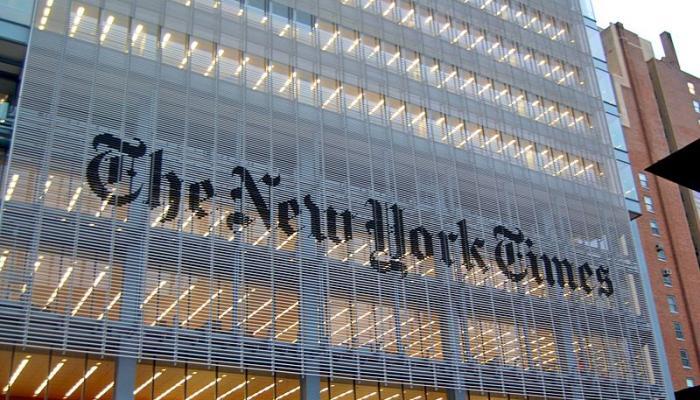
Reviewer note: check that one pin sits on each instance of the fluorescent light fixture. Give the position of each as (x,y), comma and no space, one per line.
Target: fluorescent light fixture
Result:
(175,386)
(104,391)
(16,373)
(148,382)
(53,373)
(81,380)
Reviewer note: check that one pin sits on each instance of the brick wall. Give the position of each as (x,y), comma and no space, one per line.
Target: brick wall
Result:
(645,130)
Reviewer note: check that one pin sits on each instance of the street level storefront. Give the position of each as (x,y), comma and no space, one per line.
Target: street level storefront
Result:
(50,375)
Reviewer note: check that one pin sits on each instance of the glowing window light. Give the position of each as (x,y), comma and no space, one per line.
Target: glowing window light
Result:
(3,259)
(53,373)
(216,224)
(259,392)
(106,28)
(413,122)
(104,391)
(388,9)
(280,315)
(444,27)
(153,293)
(11,187)
(338,396)
(284,243)
(257,310)
(355,101)
(367,396)
(175,386)
(135,35)
(201,307)
(330,41)
(110,305)
(62,282)
(393,58)
(507,145)
(205,387)
(284,30)
(16,373)
(262,77)
(74,199)
(485,88)
(376,107)
(45,15)
(374,51)
(287,329)
(165,40)
(408,15)
(148,381)
(88,292)
(233,390)
(160,216)
(397,112)
(413,64)
(172,305)
(459,36)
(239,69)
(353,46)
(332,96)
(76,21)
(288,393)
(81,380)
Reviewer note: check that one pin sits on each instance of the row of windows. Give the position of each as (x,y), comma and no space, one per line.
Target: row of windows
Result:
(232,65)
(63,192)
(661,255)
(677,327)
(466,36)
(27,373)
(527,17)
(653,224)
(85,289)
(351,43)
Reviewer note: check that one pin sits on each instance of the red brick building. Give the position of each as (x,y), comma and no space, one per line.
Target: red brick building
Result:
(660,112)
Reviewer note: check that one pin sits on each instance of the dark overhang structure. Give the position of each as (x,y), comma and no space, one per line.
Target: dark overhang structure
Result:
(681,167)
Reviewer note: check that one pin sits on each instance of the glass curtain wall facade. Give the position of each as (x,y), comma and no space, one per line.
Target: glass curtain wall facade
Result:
(392,199)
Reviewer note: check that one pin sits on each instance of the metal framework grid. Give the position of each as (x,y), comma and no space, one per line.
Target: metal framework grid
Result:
(186,278)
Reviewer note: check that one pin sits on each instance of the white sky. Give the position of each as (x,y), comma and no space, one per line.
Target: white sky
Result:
(648,18)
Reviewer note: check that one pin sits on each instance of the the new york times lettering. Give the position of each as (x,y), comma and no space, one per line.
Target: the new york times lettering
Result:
(513,252)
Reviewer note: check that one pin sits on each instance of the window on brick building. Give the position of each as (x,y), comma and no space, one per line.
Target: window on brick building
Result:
(691,88)
(672,304)
(678,330)
(690,382)
(661,253)
(649,204)
(696,106)
(643,180)
(685,360)
(666,276)
(654,227)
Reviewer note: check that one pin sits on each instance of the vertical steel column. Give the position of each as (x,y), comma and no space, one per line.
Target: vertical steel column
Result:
(454,394)
(124,378)
(310,387)
(309,305)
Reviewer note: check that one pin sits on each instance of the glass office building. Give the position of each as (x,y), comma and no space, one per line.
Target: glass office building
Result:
(305,200)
